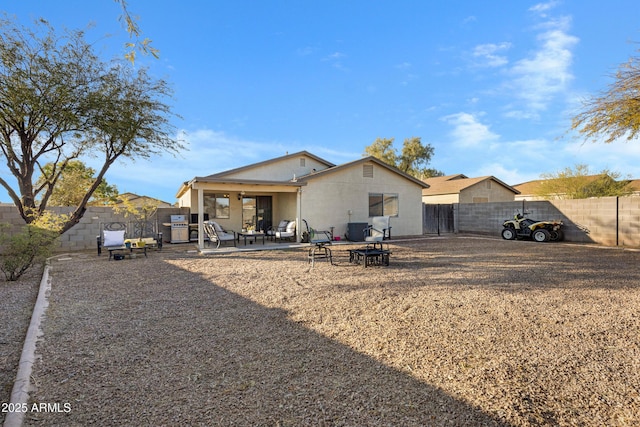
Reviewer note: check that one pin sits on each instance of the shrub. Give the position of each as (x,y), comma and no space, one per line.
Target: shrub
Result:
(20,251)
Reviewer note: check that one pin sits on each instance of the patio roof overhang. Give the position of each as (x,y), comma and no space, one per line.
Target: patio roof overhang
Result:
(230,184)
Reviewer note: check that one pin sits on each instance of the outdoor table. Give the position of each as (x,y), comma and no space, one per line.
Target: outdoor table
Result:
(371,255)
(255,236)
(127,247)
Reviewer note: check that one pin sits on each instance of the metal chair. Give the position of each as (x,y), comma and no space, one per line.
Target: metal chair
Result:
(217,234)
(319,241)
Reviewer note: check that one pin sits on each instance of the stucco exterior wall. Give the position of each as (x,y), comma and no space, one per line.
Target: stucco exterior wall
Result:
(490,190)
(283,170)
(341,197)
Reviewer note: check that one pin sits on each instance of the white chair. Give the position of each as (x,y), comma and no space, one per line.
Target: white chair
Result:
(289,232)
(379,229)
(282,226)
(217,234)
(111,237)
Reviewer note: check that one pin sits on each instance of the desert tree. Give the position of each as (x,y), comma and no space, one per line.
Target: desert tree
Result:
(137,42)
(72,184)
(412,160)
(615,113)
(59,103)
(579,183)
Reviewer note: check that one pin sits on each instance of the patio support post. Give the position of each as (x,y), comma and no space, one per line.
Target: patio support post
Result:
(200,219)
(299,215)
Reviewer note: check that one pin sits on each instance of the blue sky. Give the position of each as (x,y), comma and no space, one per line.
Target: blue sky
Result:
(491,85)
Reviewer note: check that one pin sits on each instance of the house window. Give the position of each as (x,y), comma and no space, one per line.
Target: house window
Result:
(367,171)
(383,204)
(302,162)
(217,205)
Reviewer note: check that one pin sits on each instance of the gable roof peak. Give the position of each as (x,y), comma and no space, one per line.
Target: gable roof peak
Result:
(271,161)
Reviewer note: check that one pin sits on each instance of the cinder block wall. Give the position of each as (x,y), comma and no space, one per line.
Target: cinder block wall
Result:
(629,221)
(83,235)
(607,221)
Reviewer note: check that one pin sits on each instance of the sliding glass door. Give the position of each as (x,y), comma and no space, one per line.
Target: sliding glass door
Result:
(256,213)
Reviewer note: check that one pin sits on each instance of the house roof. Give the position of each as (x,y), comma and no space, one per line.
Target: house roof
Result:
(371,159)
(270,161)
(454,184)
(225,178)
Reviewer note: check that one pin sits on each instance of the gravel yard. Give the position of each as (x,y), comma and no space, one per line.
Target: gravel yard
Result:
(16,303)
(456,331)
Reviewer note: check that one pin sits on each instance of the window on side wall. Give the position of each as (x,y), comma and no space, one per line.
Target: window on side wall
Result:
(383,204)
(217,205)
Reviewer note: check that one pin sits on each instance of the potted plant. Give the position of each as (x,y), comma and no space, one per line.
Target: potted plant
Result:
(141,213)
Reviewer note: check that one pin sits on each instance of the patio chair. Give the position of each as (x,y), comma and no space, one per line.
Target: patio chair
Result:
(319,240)
(289,232)
(379,229)
(282,226)
(112,238)
(217,234)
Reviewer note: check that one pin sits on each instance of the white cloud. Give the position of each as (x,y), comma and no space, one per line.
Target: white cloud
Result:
(305,51)
(510,176)
(618,156)
(468,131)
(542,8)
(335,59)
(469,19)
(547,72)
(487,54)
(334,56)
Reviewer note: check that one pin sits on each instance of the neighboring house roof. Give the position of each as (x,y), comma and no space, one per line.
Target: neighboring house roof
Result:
(533,187)
(371,159)
(447,177)
(529,187)
(138,200)
(454,184)
(635,184)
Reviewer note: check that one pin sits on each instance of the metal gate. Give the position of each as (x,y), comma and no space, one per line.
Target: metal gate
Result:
(437,219)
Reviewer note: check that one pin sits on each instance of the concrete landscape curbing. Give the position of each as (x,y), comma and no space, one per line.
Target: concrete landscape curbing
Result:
(21,387)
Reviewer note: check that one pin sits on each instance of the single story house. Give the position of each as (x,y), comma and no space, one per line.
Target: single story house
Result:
(140,201)
(304,186)
(462,189)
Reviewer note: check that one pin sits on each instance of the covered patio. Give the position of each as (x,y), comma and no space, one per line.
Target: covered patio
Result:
(241,205)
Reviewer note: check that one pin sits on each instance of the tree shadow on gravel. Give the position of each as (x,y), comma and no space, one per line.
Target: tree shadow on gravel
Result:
(169,347)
